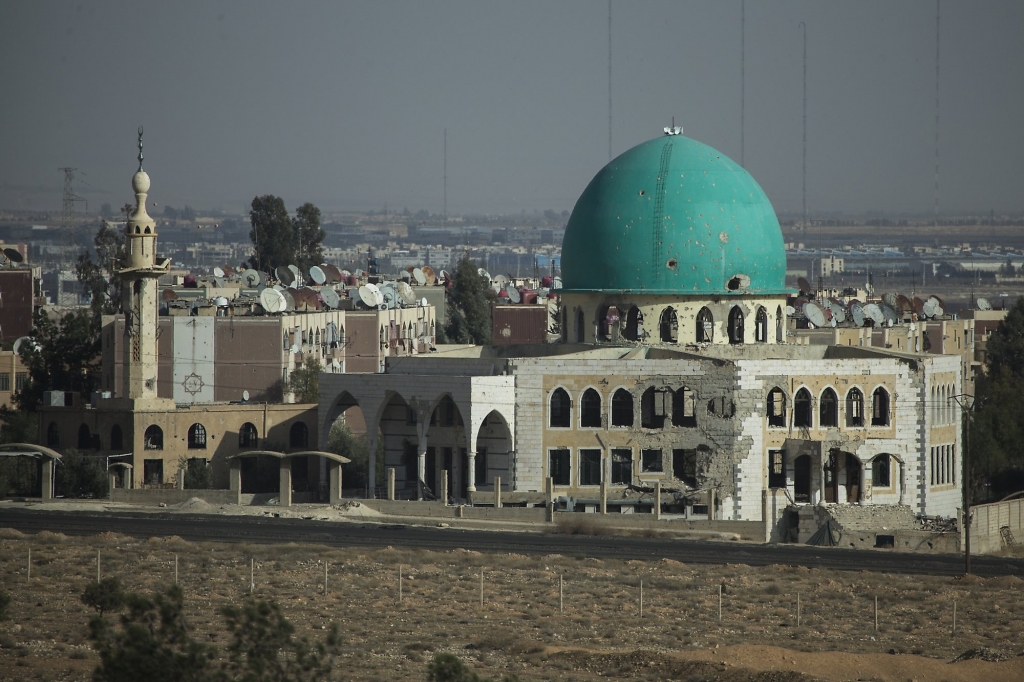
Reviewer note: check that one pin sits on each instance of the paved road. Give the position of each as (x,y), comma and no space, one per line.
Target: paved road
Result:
(275,530)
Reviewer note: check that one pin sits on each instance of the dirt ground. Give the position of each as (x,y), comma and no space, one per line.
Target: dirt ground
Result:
(598,634)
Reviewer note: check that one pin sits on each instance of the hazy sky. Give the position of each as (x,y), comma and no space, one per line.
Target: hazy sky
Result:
(344,103)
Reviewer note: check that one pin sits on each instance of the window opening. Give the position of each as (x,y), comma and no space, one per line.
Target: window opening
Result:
(622,466)
(761,325)
(590,467)
(560,414)
(854,407)
(705,326)
(684,407)
(829,408)
(154,438)
(590,409)
(802,409)
(248,437)
(776,407)
(880,407)
(669,326)
(559,465)
(881,468)
(298,437)
(655,406)
(622,408)
(650,461)
(776,469)
(197,437)
(735,325)
(684,466)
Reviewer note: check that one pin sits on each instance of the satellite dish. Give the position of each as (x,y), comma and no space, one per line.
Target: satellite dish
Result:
(168,295)
(419,277)
(272,301)
(289,300)
(220,302)
(423,302)
(228,270)
(366,296)
(889,300)
(874,313)
(513,295)
(445,276)
(330,297)
(429,273)
(346,273)
(284,275)
(501,280)
(218,272)
(933,307)
(890,314)
(3,258)
(483,273)
(305,299)
(22,341)
(13,255)
(918,306)
(355,296)
(903,304)
(406,293)
(317,274)
(805,286)
(983,304)
(838,312)
(375,295)
(332,272)
(790,310)
(815,314)
(857,313)
(387,291)
(245,395)
(296,272)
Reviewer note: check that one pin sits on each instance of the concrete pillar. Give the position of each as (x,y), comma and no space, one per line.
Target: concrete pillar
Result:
(285,492)
(865,482)
(421,466)
(604,495)
(46,485)
(180,482)
(444,487)
(391,483)
(111,480)
(711,505)
(471,474)
(235,479)
(549,504)
(657,500)
(497,492)
(334,476)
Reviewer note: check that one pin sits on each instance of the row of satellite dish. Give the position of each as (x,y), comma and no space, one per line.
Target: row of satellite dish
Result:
(319,275)
(500,285)
(10,256)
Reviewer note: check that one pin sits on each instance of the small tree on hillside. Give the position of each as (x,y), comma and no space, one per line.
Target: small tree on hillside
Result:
(104,596)
(304,381)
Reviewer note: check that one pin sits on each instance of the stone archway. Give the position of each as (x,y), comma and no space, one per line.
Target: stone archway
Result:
(493,458)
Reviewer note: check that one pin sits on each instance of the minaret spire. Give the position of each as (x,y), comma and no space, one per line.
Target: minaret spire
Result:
(140,149)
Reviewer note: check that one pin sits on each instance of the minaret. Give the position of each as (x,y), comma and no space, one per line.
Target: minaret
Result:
(139,294)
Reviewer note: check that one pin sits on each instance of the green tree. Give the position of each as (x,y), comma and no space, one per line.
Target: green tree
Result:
(98,276)
(469,306)
(272,234)
(64,357)
(104,596)
(304,381)
(450,668)
(81,475)
(309,237)
(1005,347)
(341,441)
(198,473)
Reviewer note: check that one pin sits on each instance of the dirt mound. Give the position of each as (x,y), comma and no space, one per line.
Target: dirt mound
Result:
(10,533)
(984,654)
(50,536)
(193,504)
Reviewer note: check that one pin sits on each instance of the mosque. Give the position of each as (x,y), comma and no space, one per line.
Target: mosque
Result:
(676,367)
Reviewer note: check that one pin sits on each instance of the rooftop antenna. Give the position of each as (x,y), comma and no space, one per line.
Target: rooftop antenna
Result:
(140,149)
(609,80)
(444,215)
(743,77)
(937,18)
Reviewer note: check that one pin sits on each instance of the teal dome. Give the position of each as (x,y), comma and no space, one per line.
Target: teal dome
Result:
(673,216)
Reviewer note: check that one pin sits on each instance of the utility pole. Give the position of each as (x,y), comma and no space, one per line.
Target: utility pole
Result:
(966,403)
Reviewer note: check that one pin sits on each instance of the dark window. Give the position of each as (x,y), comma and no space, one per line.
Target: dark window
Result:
(248,437)
(565,325)
(153,471)
(580,332)
(53,436)
(480,467)
(828,409)
(590,409)
(590,467)
(880,407)
(84,437)
(410,460)
(705,326)
(722,407)
(779,335)
(855,408)
(634,324)
(776,407)
(559,466)
(881,467)
(650,460)
(197,437)
(684,407)
(298,437)
(446,413)
(802,479)
(802,416)
(684,466)
(655,405)
(776,469)
(154,438)
(761,325)
(622,466)
(560,414)
(669,326)
(5,381)
(736,325)
(116,438)
(622,408)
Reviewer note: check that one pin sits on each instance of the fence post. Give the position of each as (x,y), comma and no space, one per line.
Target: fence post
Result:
(561,608)
(175,569)
(252,575)
(719,602)
(29,573)
(325,577)
(876,613)
(497,492)
(798,609)
(954,616)
(641,599)
(97,565)
(399,582)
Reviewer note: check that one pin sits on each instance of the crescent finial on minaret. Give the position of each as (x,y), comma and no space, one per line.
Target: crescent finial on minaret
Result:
(140,148)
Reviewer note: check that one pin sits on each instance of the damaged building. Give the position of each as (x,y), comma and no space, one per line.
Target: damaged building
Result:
(675,370)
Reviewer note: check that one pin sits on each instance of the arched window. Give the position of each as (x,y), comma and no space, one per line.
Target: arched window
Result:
(722,407)
(560,412)
(154,438)
(669,326)
(776,407)
(580,331)
(622,408)
(197,437)
(802,408)
(880,407)
(53,436)
(761,325)
(655,406)
(779,338)
(607,323)
(828,409)
(248,437)
(84,437)
(116,438)
(634,324)
(298,437)
(684,407)
(854,407)
(881,468)
(705,326)
(590,409)
(736,325)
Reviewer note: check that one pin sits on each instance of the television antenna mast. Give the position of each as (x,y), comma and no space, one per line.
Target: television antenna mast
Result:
(67,219)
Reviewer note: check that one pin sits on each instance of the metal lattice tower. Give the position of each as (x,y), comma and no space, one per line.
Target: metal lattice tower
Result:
(67,218)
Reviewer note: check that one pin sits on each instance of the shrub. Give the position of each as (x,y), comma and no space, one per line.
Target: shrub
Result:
(105,595)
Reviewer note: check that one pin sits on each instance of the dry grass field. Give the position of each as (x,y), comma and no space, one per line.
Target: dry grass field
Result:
(600,634)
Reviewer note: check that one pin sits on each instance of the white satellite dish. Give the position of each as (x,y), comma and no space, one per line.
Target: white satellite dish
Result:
(790,311)
(366,296)
(22,341)
(445,276)
(218,272)
(423,302)
(874,312)
(317,274)
(890,314)
(289,300)
(375,295)
(983,304)
(406,293)
(857,313)
(483,273)
(513,295)
(501,280)
(330,297)
(390,295)
(220,302)
(838,312)
(273,301)
(251,278)
(814,314)
(296,272)
(245,396)
(418,275)
(889,300)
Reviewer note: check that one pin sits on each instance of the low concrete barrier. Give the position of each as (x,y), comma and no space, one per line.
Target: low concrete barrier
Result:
(987,522)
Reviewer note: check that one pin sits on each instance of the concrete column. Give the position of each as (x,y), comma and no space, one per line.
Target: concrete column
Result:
(903,481)
(46,485)
(711,505)
(549,488)
(334,476)
(444,487)
(112,480)
(391,483)
(471,474)
(421,466)
(657,500)
(180,483)
(235,479)
(604,496)
(865,482)
(285,493)
(497,492)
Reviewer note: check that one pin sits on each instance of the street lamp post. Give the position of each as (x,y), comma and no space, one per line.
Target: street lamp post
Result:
(966,403)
